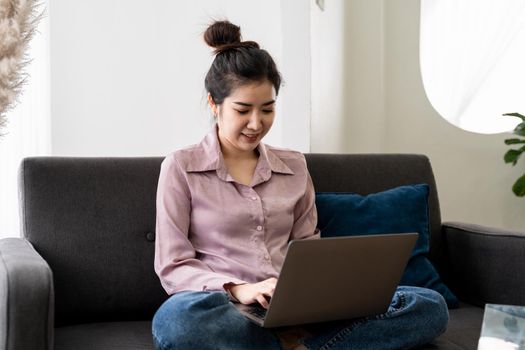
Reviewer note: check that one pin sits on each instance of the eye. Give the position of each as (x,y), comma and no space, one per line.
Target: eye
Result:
(267,111)
(242,111)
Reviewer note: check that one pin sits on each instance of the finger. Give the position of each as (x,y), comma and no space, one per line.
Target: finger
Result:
(262,300)
(269,285)
(271,281)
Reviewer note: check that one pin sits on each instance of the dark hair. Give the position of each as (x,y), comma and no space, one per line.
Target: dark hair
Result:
(236,62)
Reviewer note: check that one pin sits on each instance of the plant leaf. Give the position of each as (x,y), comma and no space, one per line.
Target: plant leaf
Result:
(519,187)
(512,156)
(520,129)
(513,141)
(516,115)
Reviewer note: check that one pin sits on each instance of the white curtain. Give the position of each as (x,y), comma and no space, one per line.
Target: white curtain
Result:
(472,55)
(28,132)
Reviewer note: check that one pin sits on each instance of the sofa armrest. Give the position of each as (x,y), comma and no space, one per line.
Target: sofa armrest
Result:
(26,297)
(485,265)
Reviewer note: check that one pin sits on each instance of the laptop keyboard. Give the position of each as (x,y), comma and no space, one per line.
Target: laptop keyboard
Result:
(257,311)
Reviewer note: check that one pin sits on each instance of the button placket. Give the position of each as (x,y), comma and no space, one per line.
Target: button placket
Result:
(266,260)
(258,238)
(254,196)
(259,213)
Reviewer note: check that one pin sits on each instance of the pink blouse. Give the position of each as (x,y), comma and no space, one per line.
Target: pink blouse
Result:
(211,230)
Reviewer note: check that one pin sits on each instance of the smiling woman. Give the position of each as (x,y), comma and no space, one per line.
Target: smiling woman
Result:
(227,209)
(243,119)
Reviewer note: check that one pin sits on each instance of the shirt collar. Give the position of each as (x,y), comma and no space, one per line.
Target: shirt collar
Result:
(267,156)
(208,157)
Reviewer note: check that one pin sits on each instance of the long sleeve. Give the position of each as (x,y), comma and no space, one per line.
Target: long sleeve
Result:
(176,261)
(305,214)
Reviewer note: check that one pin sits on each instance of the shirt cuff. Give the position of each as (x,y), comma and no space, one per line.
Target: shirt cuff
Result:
(227,287)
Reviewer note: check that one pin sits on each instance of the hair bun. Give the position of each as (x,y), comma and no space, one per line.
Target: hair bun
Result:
(222,33)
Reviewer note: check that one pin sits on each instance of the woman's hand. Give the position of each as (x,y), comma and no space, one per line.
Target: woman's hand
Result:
(254,292)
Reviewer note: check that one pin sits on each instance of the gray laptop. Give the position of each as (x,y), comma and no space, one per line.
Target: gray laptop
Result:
(336,278)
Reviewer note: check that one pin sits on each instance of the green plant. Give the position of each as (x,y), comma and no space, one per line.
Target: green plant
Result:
(513,155)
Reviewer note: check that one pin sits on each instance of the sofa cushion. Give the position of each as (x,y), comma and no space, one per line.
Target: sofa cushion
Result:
(398,210)
(462,334)
(131,335)
(464,329)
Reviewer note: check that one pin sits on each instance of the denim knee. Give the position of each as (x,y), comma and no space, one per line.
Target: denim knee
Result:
(180,322)
(206,321)
(433,308)
(441,314)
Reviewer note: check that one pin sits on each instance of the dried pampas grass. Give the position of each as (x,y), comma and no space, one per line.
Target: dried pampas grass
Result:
(18,22)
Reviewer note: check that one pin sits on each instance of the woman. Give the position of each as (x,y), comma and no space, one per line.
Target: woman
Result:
(226,210)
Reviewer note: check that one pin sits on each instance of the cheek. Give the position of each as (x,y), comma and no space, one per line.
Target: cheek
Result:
(230,126)
(269,122)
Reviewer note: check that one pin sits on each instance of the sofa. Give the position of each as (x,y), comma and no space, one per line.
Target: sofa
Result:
(81,276)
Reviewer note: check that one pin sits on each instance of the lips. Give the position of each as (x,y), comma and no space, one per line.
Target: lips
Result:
(251,137)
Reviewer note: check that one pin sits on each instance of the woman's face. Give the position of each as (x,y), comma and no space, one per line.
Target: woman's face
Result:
(245,117)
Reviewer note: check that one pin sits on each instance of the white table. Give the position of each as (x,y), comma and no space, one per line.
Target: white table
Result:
(503,328)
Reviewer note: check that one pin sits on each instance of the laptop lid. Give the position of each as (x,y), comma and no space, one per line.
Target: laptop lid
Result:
(338,278)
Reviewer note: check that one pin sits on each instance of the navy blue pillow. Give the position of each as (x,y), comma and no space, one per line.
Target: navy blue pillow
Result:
(398,210)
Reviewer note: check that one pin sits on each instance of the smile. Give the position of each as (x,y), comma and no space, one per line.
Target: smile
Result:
(251,137)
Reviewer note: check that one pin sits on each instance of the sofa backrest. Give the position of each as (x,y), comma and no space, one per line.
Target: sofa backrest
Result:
(93,220)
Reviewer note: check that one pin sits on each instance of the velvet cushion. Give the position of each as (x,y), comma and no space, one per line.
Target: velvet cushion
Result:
(398,210)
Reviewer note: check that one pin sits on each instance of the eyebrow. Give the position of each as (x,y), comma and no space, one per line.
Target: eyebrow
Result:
(249,104)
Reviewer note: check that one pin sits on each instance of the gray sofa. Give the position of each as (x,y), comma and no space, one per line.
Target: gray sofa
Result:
(82,275)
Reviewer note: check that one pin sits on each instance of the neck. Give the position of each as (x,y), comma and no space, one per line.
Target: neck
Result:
(228,153)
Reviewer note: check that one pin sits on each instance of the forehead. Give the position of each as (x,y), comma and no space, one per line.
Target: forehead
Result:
(253,91)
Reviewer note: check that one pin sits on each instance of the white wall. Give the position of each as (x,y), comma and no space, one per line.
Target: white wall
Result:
(295,65)
(128,77)
(385,109)
(328,65)
(347,76)
(474,183)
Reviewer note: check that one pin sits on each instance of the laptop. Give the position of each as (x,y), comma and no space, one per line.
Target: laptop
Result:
(335,278)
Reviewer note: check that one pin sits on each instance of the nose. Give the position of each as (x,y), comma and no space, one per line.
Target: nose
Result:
(255,121)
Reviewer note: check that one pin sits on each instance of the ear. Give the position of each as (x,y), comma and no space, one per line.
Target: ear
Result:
(212,104)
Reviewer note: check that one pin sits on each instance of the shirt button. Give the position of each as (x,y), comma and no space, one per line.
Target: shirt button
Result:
(267,257)
(254,198)
(259,228)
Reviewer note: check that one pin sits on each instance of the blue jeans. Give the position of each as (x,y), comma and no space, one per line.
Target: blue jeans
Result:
(208,320)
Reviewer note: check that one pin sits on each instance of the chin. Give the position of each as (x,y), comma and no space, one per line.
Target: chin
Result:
(247,147)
